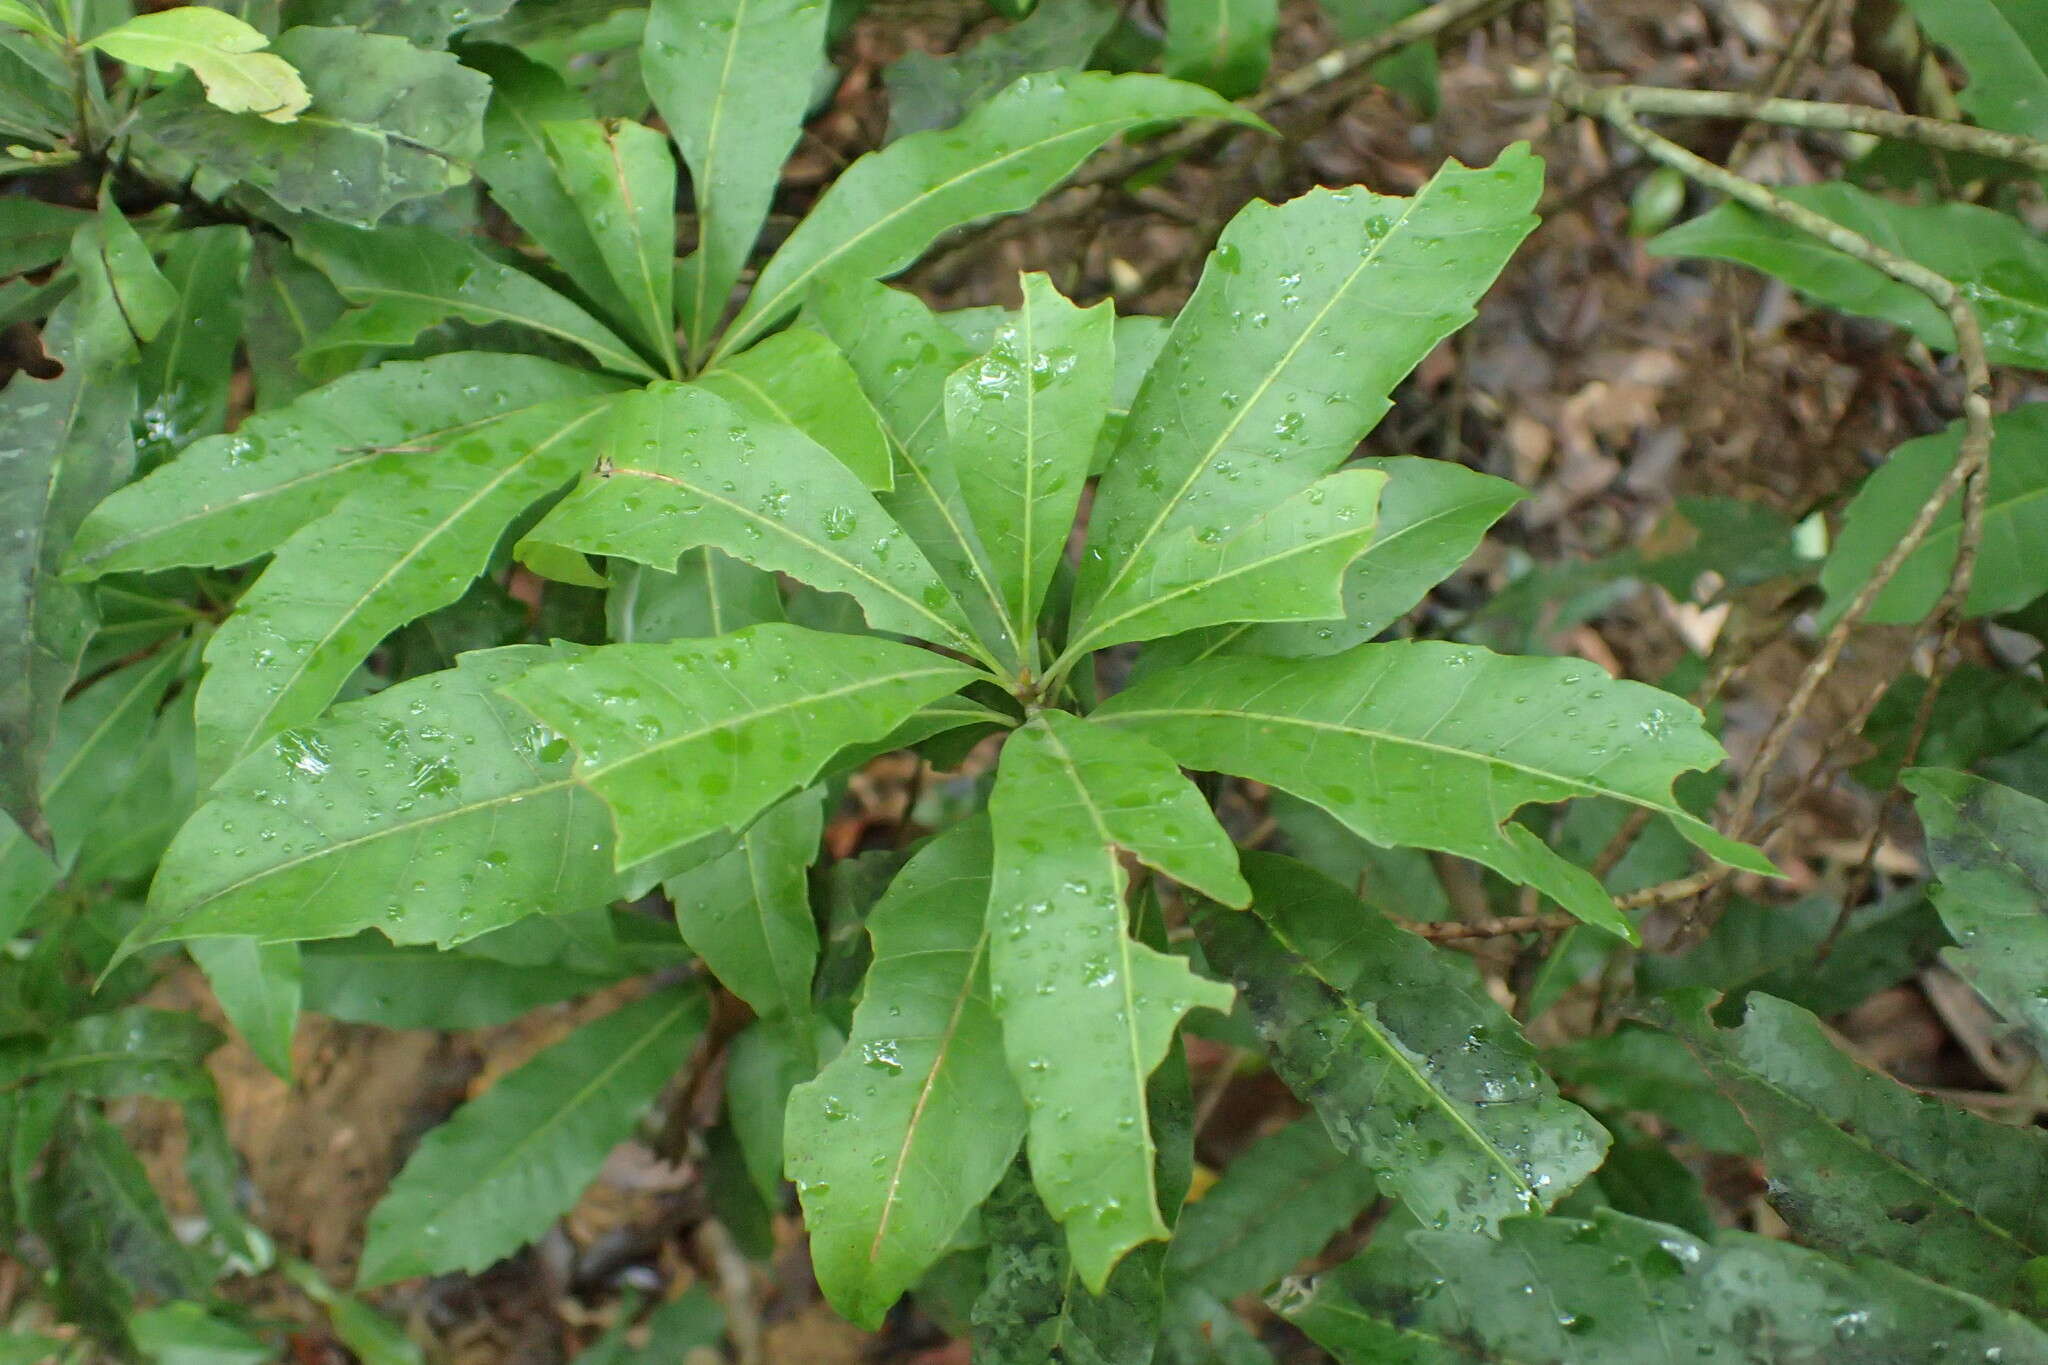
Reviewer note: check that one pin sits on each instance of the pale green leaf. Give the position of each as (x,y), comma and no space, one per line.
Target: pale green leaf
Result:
(510,1162)
(1223,44)
(2011,570)
(404,280)
(1986,843)
(1862,1166)
(1433,745)
(684,468)
(389,122)
(732,79)
(395,549)
(227,499)
(223,51)
(747,913)
(431,825)
(1624,1291)
(622,178)
(1023,420)
(1999,263)
(1307,316)
(800,379)
(1412,1067)
(2004,46)
(921,1089)
(1088,1012)
(258,987)
(886,208)
(688,738)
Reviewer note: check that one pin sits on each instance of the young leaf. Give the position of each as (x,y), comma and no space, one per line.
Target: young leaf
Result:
(684,468)
(1223,44)
(2004,46)
(1411,1065)
(2000,264)
(512,1161)
(223,51)
(732,79)
(1023,421)
(2011,571)
(1306,317)
(227,499)
(688,738)
(1432,745)
(406,280)
(188,366)
(1277,1204)
(1623,1291)
(800,379)
(1985,842)
(1087,1012)
(71,447)
(921,1088)
(258,987)
(432,812)
(747,913)
(388,122)
(622,179)
(394,550)
(887,207)
(1865,1167)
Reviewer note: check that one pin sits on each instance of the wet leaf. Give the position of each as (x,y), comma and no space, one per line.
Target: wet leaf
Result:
(188,366)
(800,379)
(622,180)
(1088,1012)
(684,739)
(510,1162)
(1434,745)
(921,1087)
(747,913)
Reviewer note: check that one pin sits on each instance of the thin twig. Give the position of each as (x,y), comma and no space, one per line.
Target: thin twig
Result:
(1456,931)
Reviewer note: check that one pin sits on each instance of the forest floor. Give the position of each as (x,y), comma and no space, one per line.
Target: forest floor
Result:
(1606,382)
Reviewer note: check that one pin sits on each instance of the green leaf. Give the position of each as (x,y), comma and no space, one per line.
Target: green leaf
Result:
(1865,1167)
(370,980)
(2004,46)
(510,1162)
(432,824)
(732,79)
(71,447)
(405,280)
(685,468)
(1278,1203)
(687,738)
(1998,262)
(1649,1071)
(1287,565)
(1622,1291)
(258,987)
(1087,1012)
(227,499)
(186,1334)
(1412,1067)
(33,234)
(903,355)
(518,163)
(115,259)
(1307,316)
(223,51)
(886,208)
(1986,844)
(428,23)
(770,1058)
(1432,516)
(747,913)
(395,549)
(101,731)
(708,593)
(904,1134)
(1433,745)
(2010,570)
(188,366)
(927,91)
(289,303)
(375,1339)
(1223,44)
(622,179)
(1023,421)
(800,379)
(388,122)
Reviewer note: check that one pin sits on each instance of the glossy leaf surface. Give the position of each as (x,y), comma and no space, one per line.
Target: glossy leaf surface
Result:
(798,378)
